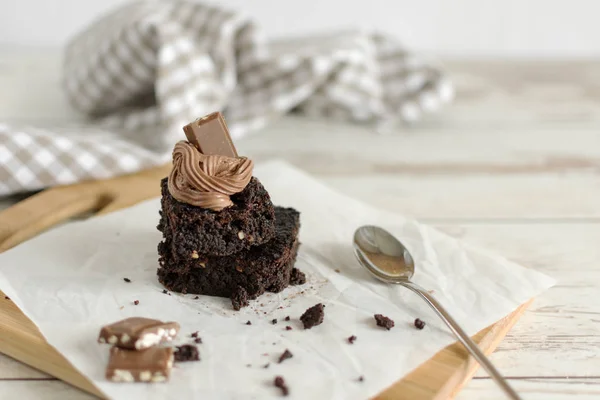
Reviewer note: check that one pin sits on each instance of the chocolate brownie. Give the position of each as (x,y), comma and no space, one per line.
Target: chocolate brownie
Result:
(192,230)
(242,276)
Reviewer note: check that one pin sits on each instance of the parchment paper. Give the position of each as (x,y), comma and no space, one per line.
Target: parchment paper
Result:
(69,282)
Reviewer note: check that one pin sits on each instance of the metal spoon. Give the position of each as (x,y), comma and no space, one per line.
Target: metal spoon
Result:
(386,258)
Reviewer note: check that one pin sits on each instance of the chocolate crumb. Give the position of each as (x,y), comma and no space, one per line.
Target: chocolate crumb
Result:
(419,324)
(288,328)
(287,318)
(286,354)
(384,321)
(266,365)
(274,321)
(136,302)
(337,270)
(361,378)
(186,352)
(6,298)
(127,280)
(280,383)
(297,277)
(165,291)
(196,298)
(351,339)
(313,316)
(198,340)
(194,335)
(248,323)
(239,298)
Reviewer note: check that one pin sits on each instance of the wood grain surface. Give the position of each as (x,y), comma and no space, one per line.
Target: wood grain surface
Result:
(512,165)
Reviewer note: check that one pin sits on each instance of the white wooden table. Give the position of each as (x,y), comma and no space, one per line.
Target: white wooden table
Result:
(513,165)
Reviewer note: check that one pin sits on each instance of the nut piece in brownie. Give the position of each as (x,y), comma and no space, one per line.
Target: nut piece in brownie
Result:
(313,316)
(192,230)
(241,276)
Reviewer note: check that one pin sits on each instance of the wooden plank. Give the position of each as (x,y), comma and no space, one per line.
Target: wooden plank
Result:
(536,389)
(48,390)
(558,336)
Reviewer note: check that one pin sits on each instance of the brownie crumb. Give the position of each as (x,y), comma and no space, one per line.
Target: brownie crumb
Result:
(136,302)
(127,280)
(419,324)
(288,328)
(361,378)
(286,354)
(187,352)
(287,318)
(337,270)
(6,298)
(313,316)
(266,365)
(351,339)
(196,298)
(248,323)
(274,321)
(165,291)
(239,298)
(297,277)
(194,335)
(198,340)
(384,322)
(280,383)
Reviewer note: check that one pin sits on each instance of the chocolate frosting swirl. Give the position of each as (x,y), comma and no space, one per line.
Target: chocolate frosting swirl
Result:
(207,181)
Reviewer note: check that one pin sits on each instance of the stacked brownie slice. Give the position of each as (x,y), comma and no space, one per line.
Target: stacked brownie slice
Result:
(239,252)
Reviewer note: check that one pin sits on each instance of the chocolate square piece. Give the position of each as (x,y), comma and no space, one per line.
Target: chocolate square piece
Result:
(138,333)
(150,365)
(210,135)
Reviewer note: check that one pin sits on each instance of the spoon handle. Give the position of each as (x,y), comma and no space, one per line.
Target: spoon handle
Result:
(464,339)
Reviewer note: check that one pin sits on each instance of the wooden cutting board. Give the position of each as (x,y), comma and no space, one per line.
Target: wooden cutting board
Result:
(441,377)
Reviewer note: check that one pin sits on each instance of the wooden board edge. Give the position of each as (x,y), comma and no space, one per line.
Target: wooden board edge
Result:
(459,366)
(21,340)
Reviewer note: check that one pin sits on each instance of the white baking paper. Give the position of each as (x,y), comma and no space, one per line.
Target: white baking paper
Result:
(69,281)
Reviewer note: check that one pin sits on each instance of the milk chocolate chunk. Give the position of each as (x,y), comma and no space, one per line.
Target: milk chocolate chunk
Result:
(210,135)
(150,365)
(138,333)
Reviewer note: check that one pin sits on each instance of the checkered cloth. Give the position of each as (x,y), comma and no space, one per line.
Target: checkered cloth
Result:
(148,68)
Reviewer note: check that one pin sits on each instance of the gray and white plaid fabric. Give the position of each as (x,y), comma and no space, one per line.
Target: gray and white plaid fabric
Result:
(148,68)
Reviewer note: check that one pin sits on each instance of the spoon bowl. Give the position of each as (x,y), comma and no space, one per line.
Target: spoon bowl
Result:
(383,255)
(390,261)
